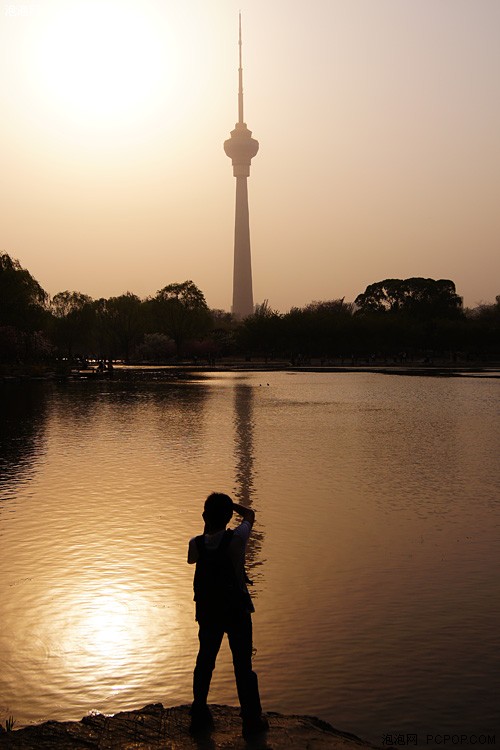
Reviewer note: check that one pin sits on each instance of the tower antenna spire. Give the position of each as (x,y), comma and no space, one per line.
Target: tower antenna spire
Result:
(241,148)
(240,76)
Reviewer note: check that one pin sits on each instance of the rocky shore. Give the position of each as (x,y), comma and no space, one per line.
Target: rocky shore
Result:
(154,727)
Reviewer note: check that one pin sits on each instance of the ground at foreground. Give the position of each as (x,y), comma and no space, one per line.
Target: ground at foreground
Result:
(154,727)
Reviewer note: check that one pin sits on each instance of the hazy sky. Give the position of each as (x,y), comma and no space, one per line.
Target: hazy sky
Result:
(379,131)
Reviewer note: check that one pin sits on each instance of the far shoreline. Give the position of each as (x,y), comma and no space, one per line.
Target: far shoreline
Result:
(188,369)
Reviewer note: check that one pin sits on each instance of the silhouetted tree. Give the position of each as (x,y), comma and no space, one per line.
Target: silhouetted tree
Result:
(156,347)
(416,296)
(413,313)
(187,293)
(22,300)
(102,339)
(124,323)
(320,329)
(181,311)
(11,344)
(222,333)
(260,333)
(73,322)
(23,311)
(483,330)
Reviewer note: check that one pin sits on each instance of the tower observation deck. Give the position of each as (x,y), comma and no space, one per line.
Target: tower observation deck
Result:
(241,148)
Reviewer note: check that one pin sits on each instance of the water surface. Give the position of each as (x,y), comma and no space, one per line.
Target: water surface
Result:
(375,555)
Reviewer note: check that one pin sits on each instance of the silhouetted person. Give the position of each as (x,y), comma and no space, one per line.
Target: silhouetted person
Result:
(223,605)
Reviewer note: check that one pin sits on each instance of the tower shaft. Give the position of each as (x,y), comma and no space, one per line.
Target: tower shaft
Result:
(242,271)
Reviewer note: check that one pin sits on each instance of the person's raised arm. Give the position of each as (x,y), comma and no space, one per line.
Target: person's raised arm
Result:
(246,513)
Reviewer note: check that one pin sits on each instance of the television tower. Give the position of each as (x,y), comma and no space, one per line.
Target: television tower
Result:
(241,148)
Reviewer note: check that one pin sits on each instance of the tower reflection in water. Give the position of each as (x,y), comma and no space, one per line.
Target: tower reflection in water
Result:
(244,430)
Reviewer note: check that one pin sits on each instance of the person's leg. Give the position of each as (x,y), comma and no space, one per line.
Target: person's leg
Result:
(210,635)
(240,641)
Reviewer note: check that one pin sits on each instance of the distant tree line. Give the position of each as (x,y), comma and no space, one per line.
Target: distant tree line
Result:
(392,320)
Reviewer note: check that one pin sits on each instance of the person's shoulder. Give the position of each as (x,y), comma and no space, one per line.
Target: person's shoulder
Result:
(242,532)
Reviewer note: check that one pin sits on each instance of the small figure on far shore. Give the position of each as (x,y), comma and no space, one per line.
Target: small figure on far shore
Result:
(223,605)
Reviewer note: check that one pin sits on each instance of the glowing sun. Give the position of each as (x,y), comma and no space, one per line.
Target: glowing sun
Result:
(102,60)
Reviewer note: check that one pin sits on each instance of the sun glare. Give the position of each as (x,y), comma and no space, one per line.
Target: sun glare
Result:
(107,627)
(105,630)
(100,61)
(113,630)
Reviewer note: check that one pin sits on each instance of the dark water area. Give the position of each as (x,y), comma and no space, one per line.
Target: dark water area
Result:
(375,554)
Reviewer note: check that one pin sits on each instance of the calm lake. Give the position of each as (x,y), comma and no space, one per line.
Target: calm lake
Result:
(375,555)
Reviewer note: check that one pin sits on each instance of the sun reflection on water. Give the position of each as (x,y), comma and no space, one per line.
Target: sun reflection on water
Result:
(107,628)
(106,631)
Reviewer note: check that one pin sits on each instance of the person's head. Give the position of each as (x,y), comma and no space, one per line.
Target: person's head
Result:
(218,510)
